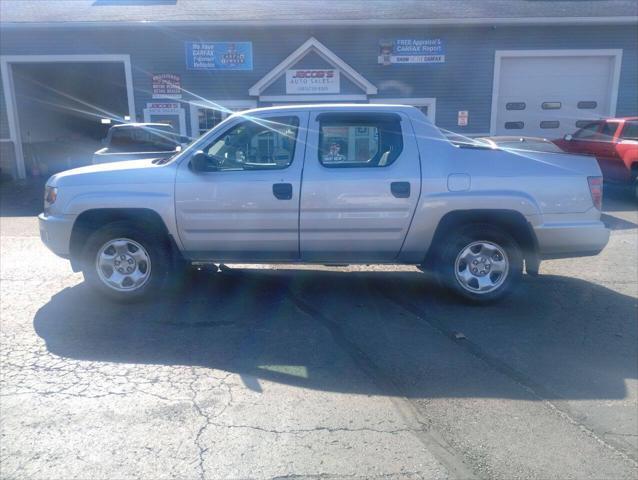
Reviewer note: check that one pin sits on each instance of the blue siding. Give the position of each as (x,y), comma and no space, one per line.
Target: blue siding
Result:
(463,82)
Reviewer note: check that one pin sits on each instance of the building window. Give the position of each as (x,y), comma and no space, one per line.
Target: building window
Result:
(551,105)
(514,125)
(208,118)
(353,140)
(515,106)
(587,105)
(550,124)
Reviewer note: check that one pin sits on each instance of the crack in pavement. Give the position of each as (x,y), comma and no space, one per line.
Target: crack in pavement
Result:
(538,391)
(436,445)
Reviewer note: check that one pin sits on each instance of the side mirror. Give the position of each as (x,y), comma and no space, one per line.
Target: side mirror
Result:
(200,162)
(568,137)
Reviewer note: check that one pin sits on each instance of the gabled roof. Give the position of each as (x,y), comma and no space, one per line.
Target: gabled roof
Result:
(313,12)
(312,45)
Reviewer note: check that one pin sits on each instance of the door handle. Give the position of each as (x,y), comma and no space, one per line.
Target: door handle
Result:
(283,191)
(400,189)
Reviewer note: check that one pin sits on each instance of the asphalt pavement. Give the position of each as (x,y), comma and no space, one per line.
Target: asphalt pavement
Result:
(316,372)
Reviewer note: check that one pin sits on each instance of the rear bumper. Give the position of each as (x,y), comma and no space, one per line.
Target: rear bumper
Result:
(55,232)
(578,239)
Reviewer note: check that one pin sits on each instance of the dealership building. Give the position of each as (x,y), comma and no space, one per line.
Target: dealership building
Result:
(70,69)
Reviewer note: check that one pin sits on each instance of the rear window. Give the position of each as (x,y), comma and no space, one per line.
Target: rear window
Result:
(630,131)
(138,139)
(359,140)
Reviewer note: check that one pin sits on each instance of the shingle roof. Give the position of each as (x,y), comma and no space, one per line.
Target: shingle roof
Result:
(306,11)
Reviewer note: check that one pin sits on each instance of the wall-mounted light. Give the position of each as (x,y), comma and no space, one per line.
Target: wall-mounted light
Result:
(127,118)
(105,121)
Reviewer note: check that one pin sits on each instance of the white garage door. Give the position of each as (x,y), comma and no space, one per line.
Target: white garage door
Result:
(551,96)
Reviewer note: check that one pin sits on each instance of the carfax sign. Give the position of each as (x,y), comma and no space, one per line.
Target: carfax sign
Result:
(429,50)
(219,55)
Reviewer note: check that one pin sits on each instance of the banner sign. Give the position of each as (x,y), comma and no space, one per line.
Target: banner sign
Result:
(411,51)
(167,85)
(313,81)
(166,108)
(219,55)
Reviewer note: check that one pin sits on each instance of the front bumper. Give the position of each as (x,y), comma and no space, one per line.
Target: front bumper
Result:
(560,240)
(55,232)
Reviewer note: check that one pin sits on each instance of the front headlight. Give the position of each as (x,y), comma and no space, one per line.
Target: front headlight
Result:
(50,196)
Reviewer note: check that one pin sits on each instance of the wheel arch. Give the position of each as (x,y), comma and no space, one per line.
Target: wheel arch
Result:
(90,220)
(511,221)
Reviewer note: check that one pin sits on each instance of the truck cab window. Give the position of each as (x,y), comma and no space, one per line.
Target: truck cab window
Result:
(259,144)
(359,141)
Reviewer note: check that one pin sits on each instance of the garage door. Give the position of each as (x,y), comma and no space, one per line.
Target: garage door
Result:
(551,96)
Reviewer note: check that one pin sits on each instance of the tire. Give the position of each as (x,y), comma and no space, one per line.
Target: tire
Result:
(142,255)
(498,268)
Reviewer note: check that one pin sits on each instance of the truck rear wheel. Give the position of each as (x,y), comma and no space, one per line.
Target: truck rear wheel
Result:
(125,262)
(480,263)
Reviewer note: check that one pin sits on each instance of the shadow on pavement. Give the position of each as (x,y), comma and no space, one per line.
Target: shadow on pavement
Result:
(321,329)
(619,198)
(22,198)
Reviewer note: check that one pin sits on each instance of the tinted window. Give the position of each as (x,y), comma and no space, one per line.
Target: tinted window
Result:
(550,124)
(515,106)
(630,131)
(608,131)
(514,125)
(582,123)
(262,144)
(359,141)
(590,130)
(587,105)
(551,105)
(143,139)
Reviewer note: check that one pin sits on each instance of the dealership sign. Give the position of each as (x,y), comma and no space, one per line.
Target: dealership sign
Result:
(219,55)
(163,108)
(312,81)
(411,51)
(167,85)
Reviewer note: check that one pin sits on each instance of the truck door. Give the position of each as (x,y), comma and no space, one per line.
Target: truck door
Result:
(247,205)
(361,184)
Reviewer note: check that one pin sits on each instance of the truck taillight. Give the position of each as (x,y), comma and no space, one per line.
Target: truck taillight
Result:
(596,190)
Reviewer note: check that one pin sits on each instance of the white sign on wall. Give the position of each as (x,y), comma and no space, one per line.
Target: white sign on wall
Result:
(463,118)
(312,81)
(164,108)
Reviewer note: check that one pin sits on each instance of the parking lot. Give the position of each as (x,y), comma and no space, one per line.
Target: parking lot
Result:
(299,372)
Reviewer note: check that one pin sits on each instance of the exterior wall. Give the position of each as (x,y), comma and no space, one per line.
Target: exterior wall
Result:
(463,82)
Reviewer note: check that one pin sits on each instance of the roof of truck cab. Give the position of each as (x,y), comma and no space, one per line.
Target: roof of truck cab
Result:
(141,125)
(330,106)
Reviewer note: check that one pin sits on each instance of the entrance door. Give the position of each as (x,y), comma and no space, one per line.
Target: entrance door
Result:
(361,184)
(246,207)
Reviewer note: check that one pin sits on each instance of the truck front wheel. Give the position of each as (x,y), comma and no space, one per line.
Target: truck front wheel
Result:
(481,263)
(125,262)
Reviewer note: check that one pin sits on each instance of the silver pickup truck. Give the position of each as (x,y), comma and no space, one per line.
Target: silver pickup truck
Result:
(326,184)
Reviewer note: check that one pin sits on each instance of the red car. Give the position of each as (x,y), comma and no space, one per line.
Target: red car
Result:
(614,143)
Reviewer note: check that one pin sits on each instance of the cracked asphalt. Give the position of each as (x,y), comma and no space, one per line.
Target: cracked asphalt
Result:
(300,372)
